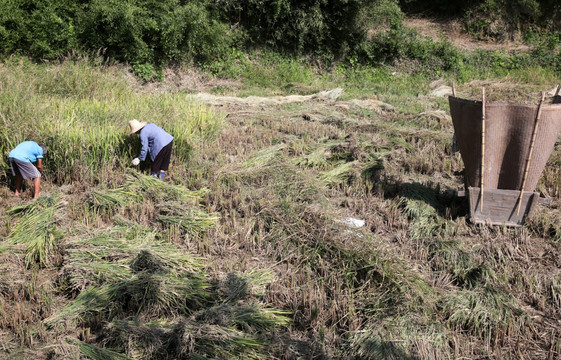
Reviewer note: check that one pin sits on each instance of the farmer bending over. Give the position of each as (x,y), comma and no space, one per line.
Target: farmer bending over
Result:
(155,141)
(21,162)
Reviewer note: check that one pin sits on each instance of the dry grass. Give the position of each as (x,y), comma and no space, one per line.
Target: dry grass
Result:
(37,229)
(248,256)
(465,292)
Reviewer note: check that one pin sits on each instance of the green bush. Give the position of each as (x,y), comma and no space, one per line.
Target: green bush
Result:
(153,32)
(160,32)
(496,19)
(401,44)
(329,28)
(43,29)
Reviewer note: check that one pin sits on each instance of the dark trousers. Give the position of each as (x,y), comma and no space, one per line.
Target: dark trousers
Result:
(161,162)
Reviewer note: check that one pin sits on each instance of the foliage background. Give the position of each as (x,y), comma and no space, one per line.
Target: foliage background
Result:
(152,33)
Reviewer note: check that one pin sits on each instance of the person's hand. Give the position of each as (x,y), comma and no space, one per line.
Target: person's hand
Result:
(135,161)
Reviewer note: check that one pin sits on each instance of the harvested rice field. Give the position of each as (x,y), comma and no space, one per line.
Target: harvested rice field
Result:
(304,224)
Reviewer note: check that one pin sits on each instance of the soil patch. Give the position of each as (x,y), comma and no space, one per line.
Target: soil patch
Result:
(455,32)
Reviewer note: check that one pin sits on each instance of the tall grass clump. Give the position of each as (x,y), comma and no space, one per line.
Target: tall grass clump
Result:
(148,198)
(111,255)
(408,337)
(81,113)
(143,296)
(486,313)
(37,229)
(421,205)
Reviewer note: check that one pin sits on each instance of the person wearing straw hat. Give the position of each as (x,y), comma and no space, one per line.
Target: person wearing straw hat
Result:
(157,142)
(21,160)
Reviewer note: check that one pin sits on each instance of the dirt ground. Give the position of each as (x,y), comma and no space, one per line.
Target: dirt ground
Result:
(454,31)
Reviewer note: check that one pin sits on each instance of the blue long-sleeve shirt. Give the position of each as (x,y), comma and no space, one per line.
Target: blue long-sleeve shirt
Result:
(153,138)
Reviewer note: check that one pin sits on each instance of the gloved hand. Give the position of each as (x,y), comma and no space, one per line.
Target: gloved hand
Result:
(135,161)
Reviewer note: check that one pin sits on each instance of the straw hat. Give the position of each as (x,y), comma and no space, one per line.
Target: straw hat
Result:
(136,125)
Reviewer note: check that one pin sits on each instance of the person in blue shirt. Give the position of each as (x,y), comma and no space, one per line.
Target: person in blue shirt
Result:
(21,160)
(155,141)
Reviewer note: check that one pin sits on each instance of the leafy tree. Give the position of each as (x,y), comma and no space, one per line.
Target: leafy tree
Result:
(42,29)
(137,31)
(154,31)
(330,27)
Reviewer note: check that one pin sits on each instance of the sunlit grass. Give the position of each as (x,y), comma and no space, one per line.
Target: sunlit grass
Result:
(84,124)
(37,228)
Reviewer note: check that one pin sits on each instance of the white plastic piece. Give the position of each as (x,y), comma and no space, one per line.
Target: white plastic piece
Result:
(352,222)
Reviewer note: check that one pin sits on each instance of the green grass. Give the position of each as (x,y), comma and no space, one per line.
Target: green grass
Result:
(37,229)
(85,126)
(171,205)
(486,313)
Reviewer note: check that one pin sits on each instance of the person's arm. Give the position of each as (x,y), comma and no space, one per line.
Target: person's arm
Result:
(144,145)
(40,165)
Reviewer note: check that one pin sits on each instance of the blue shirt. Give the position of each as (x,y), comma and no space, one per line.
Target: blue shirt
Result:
(27,151)
(153,138)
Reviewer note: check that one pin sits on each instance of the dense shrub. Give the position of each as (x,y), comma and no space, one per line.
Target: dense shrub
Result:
(151,34)
(158,32)
(154,31)
(43,29)
(516,9)
(327,27)
(402,44)
(136,31)
(496,19)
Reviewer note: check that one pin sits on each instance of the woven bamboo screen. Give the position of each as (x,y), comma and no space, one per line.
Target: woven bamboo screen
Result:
(508,134)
